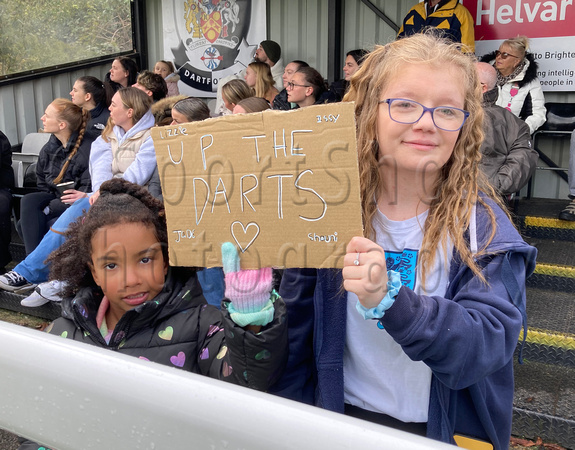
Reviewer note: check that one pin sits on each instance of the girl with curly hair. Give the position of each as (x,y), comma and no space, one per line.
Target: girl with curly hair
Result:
(122,295)
(440,269)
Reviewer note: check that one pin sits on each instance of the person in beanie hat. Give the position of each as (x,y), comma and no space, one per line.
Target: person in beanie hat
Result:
(268,52)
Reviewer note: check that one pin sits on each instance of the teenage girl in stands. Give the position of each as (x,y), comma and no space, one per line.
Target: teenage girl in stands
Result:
(233,92)
(259,78)
(63,159)
(89,93)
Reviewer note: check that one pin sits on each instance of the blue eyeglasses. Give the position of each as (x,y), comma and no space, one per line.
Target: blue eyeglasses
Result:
(406,111)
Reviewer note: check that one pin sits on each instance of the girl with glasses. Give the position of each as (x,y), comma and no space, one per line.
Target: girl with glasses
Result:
(306,87)
(519,88)
(418,330)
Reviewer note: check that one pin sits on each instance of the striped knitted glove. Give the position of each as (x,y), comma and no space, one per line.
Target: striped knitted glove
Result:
(248,290)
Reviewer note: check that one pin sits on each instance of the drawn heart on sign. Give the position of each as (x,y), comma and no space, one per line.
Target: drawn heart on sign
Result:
(245,231)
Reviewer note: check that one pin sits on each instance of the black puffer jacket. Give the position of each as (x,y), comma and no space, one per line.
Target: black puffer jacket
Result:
(51,160)
(179,329)
(53,156)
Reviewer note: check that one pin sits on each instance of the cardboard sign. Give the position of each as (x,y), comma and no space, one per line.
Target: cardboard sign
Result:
(283,186)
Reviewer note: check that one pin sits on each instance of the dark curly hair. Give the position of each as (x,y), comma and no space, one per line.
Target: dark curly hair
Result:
(120,202)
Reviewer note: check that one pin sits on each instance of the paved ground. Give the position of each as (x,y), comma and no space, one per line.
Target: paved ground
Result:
(7,441)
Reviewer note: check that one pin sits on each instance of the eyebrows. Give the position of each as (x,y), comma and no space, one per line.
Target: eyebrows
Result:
(114,255)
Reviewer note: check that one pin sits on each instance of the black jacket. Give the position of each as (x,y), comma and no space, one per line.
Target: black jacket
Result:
(98,118)
(53,156)
(6,171)
(179,329)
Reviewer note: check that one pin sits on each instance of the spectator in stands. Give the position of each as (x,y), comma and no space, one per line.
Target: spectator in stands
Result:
(449,16)
(353,61)
(6,186)
(423,339)
(251,105)
(189,109)
(126,298)
(306,87)
(519,88)
(234,91)
(63,159)
(259,78)
(90,93)
(509,159)
(268,52)
(123,73)
(168,72)
(152,84)
(162,109)
(125,149)
(281,101)
(569,212)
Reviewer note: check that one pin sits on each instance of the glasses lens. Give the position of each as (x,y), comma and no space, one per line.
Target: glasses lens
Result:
(449,119)
(405,111)
(408,111)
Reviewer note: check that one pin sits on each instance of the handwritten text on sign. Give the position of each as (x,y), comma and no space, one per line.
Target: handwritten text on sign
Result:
(282,186)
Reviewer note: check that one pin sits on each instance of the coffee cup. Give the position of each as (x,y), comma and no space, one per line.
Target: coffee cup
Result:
(64,187)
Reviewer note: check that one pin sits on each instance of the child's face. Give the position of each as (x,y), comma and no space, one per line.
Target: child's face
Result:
(420,145)
(128,264)
(162,69)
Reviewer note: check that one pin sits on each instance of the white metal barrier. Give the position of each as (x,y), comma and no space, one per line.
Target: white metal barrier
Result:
(69,395)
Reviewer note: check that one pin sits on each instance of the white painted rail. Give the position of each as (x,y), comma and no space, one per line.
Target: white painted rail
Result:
(68,395)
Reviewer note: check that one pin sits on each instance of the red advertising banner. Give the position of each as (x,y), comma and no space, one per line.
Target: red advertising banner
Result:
(502,19)
(550,26)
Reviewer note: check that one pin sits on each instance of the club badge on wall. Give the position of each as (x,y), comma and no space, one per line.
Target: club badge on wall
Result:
(208,40)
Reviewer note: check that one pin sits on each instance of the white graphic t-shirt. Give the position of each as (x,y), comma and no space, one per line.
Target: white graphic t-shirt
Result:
(378,375)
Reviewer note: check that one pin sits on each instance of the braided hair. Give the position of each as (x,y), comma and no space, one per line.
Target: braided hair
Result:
(77,119)
(120,202)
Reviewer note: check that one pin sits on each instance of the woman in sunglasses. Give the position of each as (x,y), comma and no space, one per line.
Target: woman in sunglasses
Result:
(519,88)
(418,330)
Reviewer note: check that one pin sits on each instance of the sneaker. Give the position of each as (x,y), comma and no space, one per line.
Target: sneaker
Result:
(14,282)
(567,214)
(44,293)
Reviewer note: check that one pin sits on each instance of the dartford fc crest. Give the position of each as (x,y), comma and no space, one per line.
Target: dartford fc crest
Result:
(213,40)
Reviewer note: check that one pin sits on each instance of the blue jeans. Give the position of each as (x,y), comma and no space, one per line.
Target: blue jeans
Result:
(212,282)
(34,268)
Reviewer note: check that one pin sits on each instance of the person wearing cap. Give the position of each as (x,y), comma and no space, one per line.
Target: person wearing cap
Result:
(268,52)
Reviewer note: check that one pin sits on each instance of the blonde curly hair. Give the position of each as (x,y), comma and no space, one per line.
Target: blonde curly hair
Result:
(456,189)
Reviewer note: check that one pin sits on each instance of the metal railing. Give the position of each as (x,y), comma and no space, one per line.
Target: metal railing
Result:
(69,395)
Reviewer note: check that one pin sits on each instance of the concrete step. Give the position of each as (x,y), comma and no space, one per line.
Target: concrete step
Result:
(537,218)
